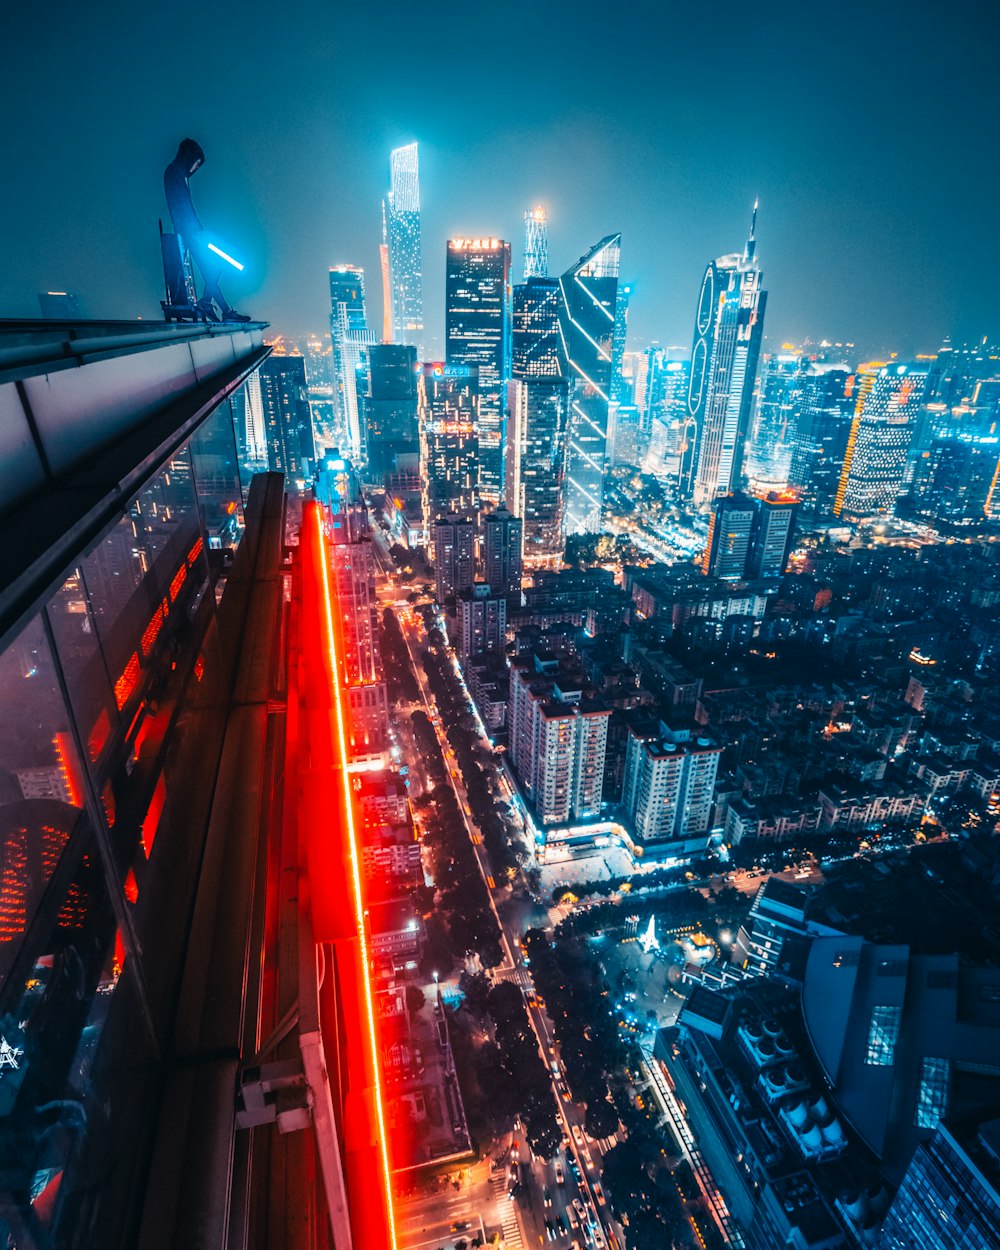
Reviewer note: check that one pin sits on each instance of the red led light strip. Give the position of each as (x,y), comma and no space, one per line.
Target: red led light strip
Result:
(371,1210)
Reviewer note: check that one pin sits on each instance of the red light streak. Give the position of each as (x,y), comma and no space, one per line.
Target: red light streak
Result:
(338,906)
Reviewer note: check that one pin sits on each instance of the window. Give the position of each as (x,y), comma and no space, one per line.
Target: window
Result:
(932,1095)
(883,1031)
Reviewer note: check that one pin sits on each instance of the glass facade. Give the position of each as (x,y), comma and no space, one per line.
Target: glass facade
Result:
(883,1032)
(101,694)
(589,295)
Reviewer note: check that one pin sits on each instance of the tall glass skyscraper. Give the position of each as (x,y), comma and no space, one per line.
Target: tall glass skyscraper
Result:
(538,421)
(448,405)
(477,333)
(589,297)
(286,415)
(349,335)
(729,326)
(389,409)
(889,399)
(536,244)
(401,256)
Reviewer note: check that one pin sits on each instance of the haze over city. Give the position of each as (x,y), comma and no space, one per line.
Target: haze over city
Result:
(860,128)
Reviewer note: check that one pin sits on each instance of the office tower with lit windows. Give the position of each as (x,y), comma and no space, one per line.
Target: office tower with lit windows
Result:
(589,298)
(731,526)
(667,430)
(349,336)
(773,534)
(620,392)
(502,553)
(253,444)
(402,265)
(729,326)
(538,421)
(453,538)
(950,1195)
(669,787)
(477,334)
(821,423)
(390,427)
(772,428)
(536,244)
(353,566)
(287,419)
(558,739)
(954,484)
(887,401)
(448,413)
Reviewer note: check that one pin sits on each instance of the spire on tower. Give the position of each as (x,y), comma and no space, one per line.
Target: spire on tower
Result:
(751,246)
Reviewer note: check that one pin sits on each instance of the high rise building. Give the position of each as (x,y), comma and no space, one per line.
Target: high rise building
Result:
(538,421)
(536,244)
(619,386)
(589,297)
(349,335)
(665,422)
(477,333)
(950,1195)
(772,431)
(502,553)
(453,538)
(954,483)
(353,560)
(887,402)
(730,532)
(401,255)
(558,740)
(670,786)
(287,419)
(750,537)
(390,426)
(821,425)
(448,411)
(255,437)
(774,530)
(729,326)
(481,628)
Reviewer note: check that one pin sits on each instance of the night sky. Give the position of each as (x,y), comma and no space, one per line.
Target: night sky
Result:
(867,129)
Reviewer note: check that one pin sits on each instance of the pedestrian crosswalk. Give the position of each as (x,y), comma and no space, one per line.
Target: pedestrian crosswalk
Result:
(509,1224)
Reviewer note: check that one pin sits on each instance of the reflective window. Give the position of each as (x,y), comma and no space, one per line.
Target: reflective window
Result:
(217,479)
(883,1031)
(932,1094)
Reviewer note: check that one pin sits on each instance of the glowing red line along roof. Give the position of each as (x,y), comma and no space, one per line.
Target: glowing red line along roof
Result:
(335,884)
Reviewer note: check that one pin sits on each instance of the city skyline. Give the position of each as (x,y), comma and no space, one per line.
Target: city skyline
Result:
(845,188)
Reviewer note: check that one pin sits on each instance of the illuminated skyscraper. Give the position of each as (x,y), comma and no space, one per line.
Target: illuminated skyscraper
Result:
(349,335)
(448,408)
(287,419)
(619,386)
(536,244)
(401,256)
(389,408)
(353,560)
(821,423)
(888,401)
(537,422)
(589,296)
(730,532)
(772,431)
(729,326)
(256,430)
(477,333)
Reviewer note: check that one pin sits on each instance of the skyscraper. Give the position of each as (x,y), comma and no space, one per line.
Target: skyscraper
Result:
(349,335)
(589,297)
(536,244)
(730,532)
(538,420)
(779,394)
(454,550)
(353,561)
(390,426)
(448,408)
(502,553)
(729,326)
(619,386)
(477,332)
(558,739)
(669,786)
(821,424)
(773,534)
(287,419)
(401,257)
(887,404)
